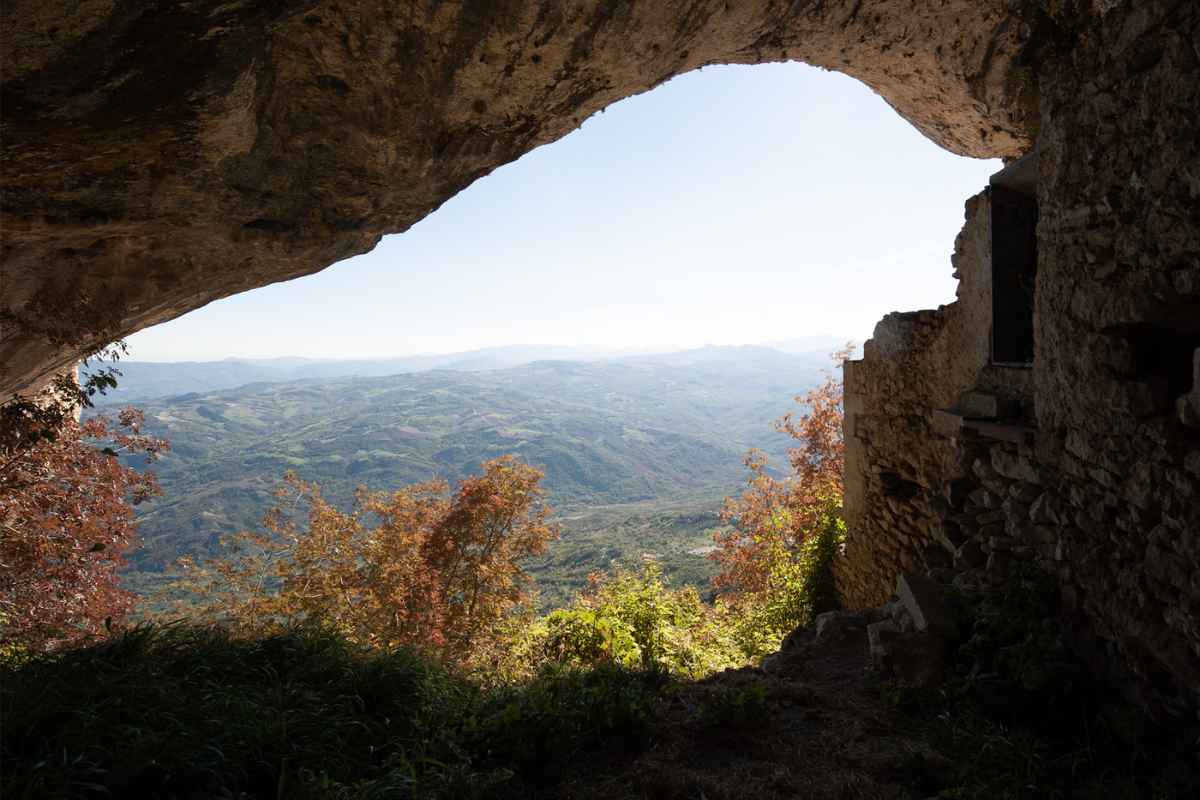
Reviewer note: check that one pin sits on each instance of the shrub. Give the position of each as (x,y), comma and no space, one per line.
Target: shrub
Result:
(163,710)
(438,570)
(540,726)
(632,619)
(776,561)
(799,585)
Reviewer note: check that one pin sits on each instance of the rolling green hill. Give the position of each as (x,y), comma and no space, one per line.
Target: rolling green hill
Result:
(638,452)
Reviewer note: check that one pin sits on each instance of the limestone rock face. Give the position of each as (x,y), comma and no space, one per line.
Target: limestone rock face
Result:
(159,156)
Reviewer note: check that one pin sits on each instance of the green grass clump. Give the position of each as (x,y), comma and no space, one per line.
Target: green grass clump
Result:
(179,711)
(565,714)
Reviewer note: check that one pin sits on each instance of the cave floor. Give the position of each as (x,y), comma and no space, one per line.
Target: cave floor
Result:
(815,724)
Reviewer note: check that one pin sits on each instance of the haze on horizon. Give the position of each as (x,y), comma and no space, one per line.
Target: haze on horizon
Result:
(524,352)
(730,206)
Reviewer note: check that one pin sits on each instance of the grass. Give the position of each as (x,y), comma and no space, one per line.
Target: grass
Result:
(178,711)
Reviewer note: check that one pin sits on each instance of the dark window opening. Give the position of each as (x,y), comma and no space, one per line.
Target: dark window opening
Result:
(1014,218)
(1163,354)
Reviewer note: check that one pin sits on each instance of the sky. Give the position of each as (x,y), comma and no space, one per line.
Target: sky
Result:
(731,205)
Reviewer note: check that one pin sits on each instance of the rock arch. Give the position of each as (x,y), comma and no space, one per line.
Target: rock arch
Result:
(161,156)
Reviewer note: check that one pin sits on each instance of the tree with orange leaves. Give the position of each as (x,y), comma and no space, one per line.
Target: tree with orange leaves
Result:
(419,566)
(774,559)
(66,522)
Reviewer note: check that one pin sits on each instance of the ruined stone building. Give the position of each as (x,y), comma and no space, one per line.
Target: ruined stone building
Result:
(159,156)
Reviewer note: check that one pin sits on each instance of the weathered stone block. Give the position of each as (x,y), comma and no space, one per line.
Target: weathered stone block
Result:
(1025,492)
(838,625)
(999,544)
(998,563)
(955,492)
(1080,497)
(911,659)
(992,531)
(1015,512)
(949,535)
(880,636)
(946,423)
(983,470)
(936,506)
(1046,510)
(971,555)
(1043,534)
(1079,444)
(1184,486)
(925,603)
(937,557)
(1187,409)
(985,405)
(1103,477)
(1014,466)
(1019,528)
(1138,399)
(982,498)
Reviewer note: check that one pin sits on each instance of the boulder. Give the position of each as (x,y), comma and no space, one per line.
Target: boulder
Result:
(924,600)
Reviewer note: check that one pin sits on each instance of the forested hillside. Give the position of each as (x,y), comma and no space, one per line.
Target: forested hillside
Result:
(638,452)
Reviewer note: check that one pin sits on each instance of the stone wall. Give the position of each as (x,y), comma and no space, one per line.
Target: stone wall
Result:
(905,469)
(1093,470)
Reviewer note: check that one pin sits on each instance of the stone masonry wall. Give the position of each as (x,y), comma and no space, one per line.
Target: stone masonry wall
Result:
(1095,474)
(903,473)
(1118,330)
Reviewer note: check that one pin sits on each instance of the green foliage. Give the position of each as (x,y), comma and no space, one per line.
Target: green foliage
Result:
(734,709)
(800,586)
(676,533)
(633,620)
(161,709)
(539,726)
(1022,716)
(176,710)
(1015,648)
(24,421)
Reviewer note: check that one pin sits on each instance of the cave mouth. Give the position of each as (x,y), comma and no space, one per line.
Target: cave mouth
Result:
(707,202)
(723,207)
(162,158)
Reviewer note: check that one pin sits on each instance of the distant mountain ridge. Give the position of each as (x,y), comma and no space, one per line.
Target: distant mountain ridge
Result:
(142,380)
(147,379)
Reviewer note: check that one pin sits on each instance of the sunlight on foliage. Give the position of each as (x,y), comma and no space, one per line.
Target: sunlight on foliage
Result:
(776,561)
(798,586)
(632,619)
(420,566)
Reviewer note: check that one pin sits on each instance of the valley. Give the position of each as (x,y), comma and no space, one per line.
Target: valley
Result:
(638,451)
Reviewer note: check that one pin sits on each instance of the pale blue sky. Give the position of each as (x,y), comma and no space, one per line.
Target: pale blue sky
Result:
(732,205)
